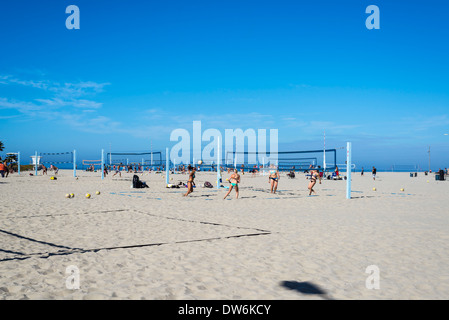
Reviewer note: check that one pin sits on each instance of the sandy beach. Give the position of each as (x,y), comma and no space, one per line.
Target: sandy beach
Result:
(155,244)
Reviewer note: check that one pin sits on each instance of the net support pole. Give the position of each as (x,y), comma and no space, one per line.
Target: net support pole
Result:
(35,163)
(348,169)
(18,164)
(218,163)
(263,166)
(102,164)
(335,158)
(324,153)
(74,163)
(235,160)
(167,169)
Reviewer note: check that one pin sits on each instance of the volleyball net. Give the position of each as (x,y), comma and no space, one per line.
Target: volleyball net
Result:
(89,164)
(144,160)
(404,168)
(283,160)
(60,160)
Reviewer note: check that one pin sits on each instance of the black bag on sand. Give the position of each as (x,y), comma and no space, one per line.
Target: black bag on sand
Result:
(137,183)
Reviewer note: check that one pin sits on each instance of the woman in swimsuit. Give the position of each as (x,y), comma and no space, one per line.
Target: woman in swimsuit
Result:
(314,175)
(190,183)
(53,168)
(234,180)
(274,179)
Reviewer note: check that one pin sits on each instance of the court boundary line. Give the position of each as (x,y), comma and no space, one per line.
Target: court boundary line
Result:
(69,250)
(45,255)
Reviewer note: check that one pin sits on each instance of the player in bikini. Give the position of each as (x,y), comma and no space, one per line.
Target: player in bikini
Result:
(234,180)
(191,182)
(314,175)
(54,168)
(274,179)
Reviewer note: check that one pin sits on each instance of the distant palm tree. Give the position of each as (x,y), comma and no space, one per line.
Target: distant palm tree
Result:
(2,146)
(11,158)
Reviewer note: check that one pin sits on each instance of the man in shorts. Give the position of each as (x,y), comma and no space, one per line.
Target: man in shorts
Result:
(3,169)
(117,171)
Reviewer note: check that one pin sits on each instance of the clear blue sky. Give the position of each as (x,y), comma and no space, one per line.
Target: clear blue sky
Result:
(136,70)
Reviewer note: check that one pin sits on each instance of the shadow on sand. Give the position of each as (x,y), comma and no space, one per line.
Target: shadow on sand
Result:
(305,288)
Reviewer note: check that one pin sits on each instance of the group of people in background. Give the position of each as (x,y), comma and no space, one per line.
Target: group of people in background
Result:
(273,179)
(5,170)
(52,168)
(313,174)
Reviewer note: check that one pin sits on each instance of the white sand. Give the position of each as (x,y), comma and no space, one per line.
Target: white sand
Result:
(155,244)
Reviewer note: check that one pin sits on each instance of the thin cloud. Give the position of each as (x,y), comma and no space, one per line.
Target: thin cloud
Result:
(76,90)
(64,102)
(8,117)
(65,90)
(79,103)
(423,123)
(21,106)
